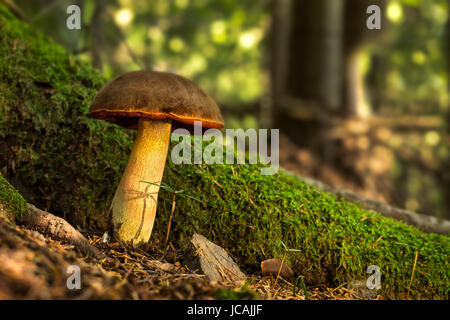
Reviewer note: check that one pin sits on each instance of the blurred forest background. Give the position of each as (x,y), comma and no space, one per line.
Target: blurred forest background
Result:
(366,110)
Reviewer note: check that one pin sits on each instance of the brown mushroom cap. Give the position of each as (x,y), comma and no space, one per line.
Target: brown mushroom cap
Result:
(155,95)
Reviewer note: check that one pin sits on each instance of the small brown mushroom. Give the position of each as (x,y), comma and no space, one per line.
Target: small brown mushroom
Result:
(154,103)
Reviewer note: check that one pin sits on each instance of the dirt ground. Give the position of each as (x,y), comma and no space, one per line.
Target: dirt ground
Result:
(35,267)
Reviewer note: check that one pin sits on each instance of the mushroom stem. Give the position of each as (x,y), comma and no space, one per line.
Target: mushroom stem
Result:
(134,203)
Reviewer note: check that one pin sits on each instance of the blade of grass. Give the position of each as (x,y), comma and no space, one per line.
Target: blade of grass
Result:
(412,274)
(279,270)
(169,224)
(304,289)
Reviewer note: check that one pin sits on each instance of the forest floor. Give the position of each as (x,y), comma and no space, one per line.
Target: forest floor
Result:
(63,161)
(35,267)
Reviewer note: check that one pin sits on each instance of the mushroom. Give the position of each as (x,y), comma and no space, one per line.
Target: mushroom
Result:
(154,103)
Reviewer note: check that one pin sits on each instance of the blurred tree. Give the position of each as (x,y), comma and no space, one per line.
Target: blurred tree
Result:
(97,34)
(319,55)
(356,96)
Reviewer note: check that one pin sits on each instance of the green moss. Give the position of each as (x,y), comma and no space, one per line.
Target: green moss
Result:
(11,201)
(57,157)
(62,161)
(243,293)
(249,213)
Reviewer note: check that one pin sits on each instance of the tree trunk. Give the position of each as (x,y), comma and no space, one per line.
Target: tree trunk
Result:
(97,37)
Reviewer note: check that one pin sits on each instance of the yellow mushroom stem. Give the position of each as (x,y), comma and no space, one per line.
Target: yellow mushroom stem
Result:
(134,203)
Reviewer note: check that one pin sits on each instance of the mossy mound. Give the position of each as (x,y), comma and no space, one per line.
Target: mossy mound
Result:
(62,161)
(51,152)
(248,214)
(11,202)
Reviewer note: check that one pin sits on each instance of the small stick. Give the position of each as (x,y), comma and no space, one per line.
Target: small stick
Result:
(58,229)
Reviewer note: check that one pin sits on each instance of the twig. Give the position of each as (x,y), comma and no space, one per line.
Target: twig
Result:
(14,9)
(58,229)
(45,10)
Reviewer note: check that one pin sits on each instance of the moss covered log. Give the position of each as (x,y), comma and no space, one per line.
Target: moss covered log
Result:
(57,158)
(70,165)
(12,205)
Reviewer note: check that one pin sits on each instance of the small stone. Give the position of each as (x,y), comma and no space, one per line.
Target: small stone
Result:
(360,287)
(168,267)
(211,260)
(271,267)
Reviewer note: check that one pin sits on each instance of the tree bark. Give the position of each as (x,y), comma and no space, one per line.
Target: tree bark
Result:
(97,37)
